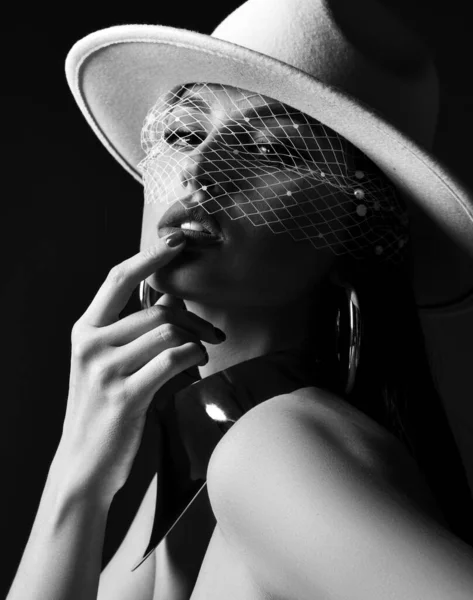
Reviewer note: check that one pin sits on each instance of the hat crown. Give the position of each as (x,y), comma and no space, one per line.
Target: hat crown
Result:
(360,48)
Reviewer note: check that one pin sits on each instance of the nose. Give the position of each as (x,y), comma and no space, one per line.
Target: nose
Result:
(208,170)
(195,177)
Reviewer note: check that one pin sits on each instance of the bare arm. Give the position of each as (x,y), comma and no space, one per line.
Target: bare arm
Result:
(117,367)
(62,558)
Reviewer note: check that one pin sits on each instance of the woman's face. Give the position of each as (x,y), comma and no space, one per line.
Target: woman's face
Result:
(222,145)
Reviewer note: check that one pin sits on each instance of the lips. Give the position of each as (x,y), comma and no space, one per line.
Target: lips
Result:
(195,239)
(177,215)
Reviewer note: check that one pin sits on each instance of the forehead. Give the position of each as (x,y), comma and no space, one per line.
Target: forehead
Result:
(222,96)
(229,101)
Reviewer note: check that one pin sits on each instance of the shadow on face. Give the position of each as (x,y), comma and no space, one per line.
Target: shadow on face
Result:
(249,162)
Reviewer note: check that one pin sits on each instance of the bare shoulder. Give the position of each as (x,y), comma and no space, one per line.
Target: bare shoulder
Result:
(330,425)
(319,500)
(361,441)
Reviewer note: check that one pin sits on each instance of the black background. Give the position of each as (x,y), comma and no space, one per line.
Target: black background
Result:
(69,212)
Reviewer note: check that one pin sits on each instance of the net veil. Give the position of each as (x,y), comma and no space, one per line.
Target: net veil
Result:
(258,159)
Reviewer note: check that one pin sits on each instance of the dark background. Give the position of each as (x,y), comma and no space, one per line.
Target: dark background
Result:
(70,212)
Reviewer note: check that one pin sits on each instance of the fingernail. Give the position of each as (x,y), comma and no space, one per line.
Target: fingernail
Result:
(175,239)
(220,335)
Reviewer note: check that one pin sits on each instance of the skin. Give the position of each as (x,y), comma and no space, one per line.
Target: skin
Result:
(260,288)
(354,515)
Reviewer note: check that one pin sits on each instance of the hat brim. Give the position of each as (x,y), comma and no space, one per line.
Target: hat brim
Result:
(117,74)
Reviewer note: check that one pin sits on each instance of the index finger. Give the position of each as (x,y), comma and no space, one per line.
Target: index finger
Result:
(172,301)
(123,278)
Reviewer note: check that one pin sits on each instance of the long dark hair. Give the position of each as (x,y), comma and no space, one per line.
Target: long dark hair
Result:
(395,386)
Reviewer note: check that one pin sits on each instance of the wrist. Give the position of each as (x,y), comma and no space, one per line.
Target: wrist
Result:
(69,483)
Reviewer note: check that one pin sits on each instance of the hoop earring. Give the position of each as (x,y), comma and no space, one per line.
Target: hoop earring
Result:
(348,334)
(148,296)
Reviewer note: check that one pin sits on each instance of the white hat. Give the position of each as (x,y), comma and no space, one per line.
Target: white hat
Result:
(351,65)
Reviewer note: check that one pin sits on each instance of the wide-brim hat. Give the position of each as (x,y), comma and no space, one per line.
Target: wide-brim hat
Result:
(351,65)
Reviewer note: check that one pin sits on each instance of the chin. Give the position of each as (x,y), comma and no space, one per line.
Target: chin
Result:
(184,282)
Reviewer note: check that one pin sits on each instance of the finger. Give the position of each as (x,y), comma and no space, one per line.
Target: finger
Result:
(172,301)
(139,352)
(152,376)
(122,280)
(192,374)
(137,324)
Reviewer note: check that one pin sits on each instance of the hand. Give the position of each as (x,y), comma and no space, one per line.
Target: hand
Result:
(117,366)
(181,380)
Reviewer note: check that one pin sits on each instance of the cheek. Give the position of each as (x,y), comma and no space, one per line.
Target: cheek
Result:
(295,209)
(275,268)
(283,201)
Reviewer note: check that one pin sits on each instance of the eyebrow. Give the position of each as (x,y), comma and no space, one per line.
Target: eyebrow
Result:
(186,96)
(276,110)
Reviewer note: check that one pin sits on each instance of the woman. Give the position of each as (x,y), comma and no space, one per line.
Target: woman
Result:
(326,488)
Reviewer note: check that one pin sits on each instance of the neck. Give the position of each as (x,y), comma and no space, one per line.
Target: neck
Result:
(255,331)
